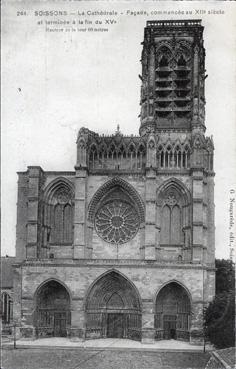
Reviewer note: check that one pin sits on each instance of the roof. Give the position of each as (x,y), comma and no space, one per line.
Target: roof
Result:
(7,271)
(222,359)
(228,356)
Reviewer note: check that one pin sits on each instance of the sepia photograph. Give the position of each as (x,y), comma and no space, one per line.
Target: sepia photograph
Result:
(118,184)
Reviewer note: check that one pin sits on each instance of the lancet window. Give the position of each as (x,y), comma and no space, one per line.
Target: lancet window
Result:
(58,215)
(7,310)
(171,222)
(174,209)
(93,156)
(172,83)
(140,157)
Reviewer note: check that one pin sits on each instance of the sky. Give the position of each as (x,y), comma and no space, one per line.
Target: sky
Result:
(55,83)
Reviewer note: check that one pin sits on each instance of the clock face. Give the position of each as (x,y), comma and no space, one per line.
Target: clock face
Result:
(117,222)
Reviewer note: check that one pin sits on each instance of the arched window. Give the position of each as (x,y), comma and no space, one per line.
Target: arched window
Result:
(67,223)
(161,156)
(58,215)
(165,225)
(186,157)
(132,156)
(168,155)
(174,204)
(175,225)
(173,85)
(141,157)
(6,308)
(58,223)
(121,156)
(163,62)
(170,225)
(178,157)
(181,61)
(93,156)
(102,155)
(62,226)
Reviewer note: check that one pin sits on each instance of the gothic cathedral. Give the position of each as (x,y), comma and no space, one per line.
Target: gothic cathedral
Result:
(124,245)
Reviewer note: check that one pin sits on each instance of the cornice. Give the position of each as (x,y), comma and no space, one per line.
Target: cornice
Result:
(128,172)
(112,263)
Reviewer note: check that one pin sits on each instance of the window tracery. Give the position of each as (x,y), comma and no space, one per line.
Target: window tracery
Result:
(120,155)
(175,226)
(171,221)
(177,157)
(117,221)
(58,215)
(173,82)
(7,311)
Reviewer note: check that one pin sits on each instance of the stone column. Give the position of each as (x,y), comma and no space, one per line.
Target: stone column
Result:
(158,230)
(89,239)
(33,222)
(27,328)
(80,212)
(210,219)
(195,85)
(150,200)
(77,330)
(151,81)
(197,192)
(148,331)
(196,331)
(22,217)
(150,216)
(17,276)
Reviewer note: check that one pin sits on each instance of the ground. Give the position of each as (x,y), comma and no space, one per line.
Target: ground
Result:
(51,358)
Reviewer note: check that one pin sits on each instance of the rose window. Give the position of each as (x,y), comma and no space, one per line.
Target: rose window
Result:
(117,222)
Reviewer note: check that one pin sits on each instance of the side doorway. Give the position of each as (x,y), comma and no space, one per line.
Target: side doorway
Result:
(53,316)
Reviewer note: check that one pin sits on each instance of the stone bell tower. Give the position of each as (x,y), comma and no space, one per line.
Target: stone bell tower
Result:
(173,123)
(173,74)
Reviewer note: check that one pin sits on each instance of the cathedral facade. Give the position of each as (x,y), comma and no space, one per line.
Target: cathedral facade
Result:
(124,245)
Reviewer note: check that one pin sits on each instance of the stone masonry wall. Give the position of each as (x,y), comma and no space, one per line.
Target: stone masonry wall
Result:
(77,279)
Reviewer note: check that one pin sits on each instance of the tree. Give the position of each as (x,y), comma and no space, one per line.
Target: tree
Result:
(219,316)
(225,276)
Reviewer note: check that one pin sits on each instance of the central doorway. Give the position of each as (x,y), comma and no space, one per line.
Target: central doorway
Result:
(115,325)
(113,309)
(169,325)
(60,324)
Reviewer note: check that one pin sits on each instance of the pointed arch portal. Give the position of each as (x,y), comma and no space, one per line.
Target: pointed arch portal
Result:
(172,315)
(52,310)
(113,309)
